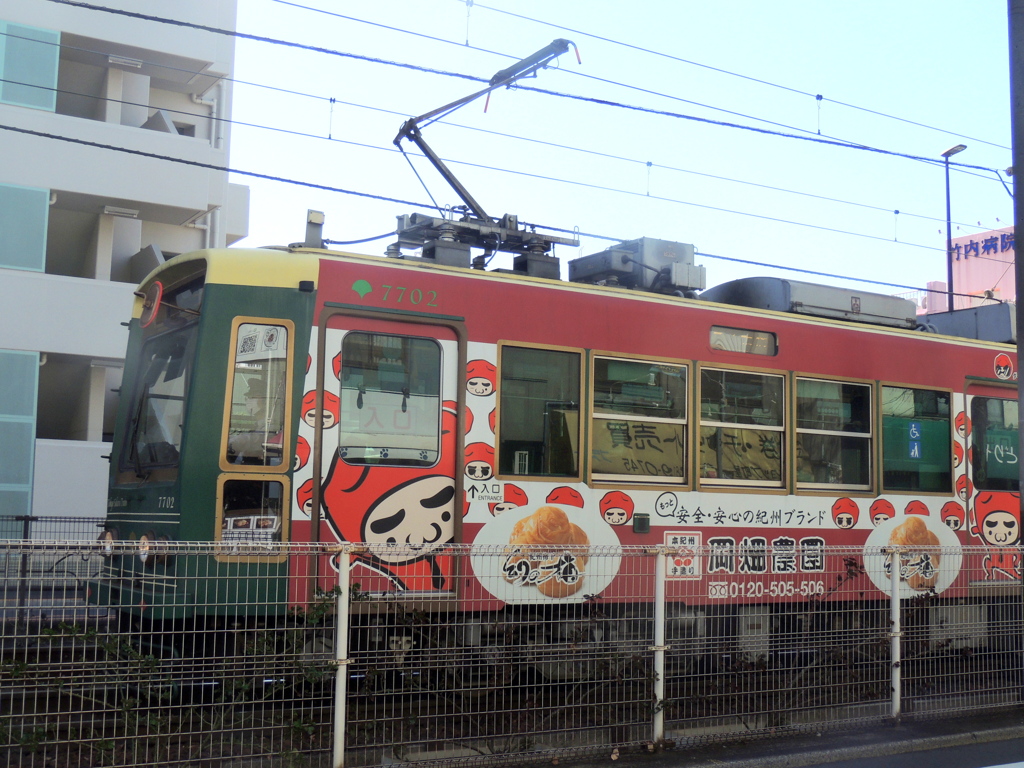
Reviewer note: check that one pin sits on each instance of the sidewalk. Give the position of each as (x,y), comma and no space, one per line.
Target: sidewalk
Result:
(869,741)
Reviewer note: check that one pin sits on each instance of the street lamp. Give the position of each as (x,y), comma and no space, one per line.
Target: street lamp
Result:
(949,226)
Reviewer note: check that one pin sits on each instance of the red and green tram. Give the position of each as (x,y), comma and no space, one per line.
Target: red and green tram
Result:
(409,404)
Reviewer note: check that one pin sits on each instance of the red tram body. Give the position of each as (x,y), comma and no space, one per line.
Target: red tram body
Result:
(404,405)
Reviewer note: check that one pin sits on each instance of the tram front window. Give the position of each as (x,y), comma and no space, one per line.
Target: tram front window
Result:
(158,410)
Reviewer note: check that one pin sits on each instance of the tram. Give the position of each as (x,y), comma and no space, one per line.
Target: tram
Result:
(406,403)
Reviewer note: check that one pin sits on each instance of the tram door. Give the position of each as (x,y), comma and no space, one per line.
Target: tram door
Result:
(391,481)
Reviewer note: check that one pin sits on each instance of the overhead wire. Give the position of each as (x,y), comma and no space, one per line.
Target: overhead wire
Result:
(534,89)
(329,188)
(723,71)
(320,49)
(562,180)
(333,100)
(575,73)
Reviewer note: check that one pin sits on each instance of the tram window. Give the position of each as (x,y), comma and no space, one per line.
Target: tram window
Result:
(252,512)
(741,428)
(639,421)
(994,457)
(158,410)
(540,419)
(833,434)
(258,396)
(916,440)
(390,410)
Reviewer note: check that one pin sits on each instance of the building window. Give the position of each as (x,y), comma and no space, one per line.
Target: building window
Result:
(24,213)
(390,411)
(19,372)
(995,463)
(639,421)
(833,434)
(741,428)
(916,440)
(540,412)
(28,66)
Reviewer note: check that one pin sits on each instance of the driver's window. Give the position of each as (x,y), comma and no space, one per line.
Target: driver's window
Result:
(259,384)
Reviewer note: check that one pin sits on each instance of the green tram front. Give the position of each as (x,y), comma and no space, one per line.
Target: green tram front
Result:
(205,426)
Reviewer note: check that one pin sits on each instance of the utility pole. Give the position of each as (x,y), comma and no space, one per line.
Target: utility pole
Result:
(1016,32)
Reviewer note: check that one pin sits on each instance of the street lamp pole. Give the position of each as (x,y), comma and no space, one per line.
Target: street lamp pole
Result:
(949,227)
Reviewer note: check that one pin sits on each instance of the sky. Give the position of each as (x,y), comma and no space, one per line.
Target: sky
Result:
(782,188)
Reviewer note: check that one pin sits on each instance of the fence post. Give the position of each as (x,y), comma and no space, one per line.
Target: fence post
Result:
(26,535)
(341,613)
(896,631)
(659,647)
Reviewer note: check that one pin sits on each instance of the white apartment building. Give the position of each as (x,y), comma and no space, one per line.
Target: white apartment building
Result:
(81,224)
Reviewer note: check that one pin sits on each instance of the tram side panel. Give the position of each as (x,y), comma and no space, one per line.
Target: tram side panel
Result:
(737,524)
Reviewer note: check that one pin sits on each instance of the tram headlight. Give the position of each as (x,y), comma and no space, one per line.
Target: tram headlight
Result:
(152,549)
(106,541)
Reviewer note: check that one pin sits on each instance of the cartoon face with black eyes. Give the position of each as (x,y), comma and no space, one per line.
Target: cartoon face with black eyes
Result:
(412,520)
(997,523)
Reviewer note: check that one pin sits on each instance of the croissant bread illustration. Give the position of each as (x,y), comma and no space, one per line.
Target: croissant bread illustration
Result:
(544,538)
(914,533)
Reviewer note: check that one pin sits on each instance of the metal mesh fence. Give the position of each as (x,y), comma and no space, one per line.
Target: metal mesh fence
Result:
(197,654)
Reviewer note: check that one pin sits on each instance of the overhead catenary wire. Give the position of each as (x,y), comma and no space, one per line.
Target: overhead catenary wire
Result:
(341,190)
(926,159)
(474,78)
(333,100)
(659,94)
(818,97)
(510,171)
(562,180)
(575,73)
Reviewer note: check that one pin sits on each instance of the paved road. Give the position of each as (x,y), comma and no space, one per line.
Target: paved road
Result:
(986,740)
(994,754)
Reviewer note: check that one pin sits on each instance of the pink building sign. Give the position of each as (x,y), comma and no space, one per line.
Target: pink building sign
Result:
(982,268)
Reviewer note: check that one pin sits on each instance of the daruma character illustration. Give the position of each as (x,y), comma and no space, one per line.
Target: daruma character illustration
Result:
(479,461)
(301,453)
(512,496)
(616,508)
(845,513)
(997,523)
(952,514)
(563,494)
(332,408)
(880,511)
(405,514)
(916,508)
(480,378)
(304,496)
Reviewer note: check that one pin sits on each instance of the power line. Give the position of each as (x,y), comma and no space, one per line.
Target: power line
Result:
(302,134)
(525,174)
(572,72)
(562,180)
(328,188)
(333,100)
(559,94)
(731,73)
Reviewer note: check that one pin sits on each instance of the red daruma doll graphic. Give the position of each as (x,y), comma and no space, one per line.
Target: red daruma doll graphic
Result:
(332,407)
(845,513)
(404,514)
(480,378)
(616,508)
